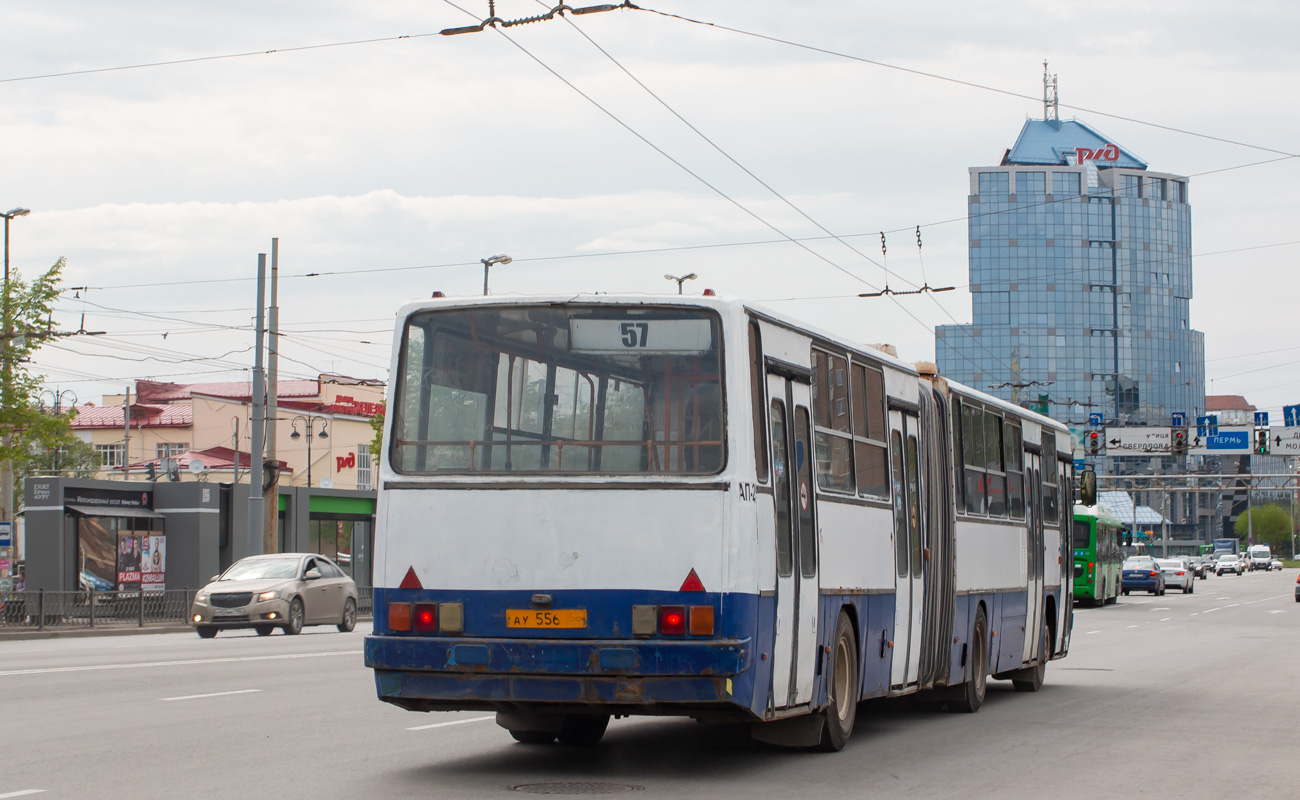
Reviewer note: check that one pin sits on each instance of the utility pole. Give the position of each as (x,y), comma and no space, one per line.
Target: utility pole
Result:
(6,374)
(271,497)
(256,511)
(126,436)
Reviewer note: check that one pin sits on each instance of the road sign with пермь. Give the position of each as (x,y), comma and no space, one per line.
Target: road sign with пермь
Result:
(1137,440)
(1229,441)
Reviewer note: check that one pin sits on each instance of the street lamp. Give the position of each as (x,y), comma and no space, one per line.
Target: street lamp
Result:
(309,422)
(681,280)
(500,258)
(7,472)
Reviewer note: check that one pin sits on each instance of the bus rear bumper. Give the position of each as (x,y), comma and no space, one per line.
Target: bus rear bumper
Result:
(639,677)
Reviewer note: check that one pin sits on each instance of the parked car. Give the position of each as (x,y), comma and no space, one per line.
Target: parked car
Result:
(1141,574)
(1229,562)
(284,590)
(1177,574)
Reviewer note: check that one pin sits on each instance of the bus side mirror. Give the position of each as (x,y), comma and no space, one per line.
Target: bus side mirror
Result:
(1088,488)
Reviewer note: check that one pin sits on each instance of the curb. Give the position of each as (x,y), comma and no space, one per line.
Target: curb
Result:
(29,634)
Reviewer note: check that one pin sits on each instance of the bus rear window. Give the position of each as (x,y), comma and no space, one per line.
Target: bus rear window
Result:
(545,389)
(1082,535)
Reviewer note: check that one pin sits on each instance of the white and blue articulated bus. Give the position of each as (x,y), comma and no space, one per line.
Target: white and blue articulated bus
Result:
(604,505)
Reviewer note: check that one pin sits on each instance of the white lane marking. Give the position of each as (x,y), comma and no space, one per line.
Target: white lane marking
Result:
(20,793)
(1225,598)
(1194,613)
(1092,632)
(1132,626)
(1276,611)
(1166,619)
(90,668)
(1232,605)
(211,694)
(445,724)
(1212,610)
(1161,608)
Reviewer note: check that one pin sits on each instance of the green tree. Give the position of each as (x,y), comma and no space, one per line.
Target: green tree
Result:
(24,429)
(377,444)
(1270,525)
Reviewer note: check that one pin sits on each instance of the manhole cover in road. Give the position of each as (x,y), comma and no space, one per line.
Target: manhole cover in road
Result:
(575,787)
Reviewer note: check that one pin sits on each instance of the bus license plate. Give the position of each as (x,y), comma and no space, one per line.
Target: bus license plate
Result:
(534,618)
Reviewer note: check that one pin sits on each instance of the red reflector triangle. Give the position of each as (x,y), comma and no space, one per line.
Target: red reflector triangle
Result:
(692,583)
(411,581)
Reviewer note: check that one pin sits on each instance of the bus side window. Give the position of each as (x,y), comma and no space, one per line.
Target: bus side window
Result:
(759,400)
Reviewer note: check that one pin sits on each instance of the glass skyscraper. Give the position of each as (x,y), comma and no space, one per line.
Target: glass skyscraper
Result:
(1081,274)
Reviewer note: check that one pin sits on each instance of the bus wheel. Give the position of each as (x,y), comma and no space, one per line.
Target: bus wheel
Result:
(581,730)
(841,688)
(975,686)
(533,737)
(1031,678)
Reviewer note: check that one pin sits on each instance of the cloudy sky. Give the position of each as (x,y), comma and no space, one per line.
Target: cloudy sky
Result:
(389,166)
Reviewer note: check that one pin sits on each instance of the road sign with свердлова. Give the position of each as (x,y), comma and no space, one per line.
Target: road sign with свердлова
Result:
(1137,440)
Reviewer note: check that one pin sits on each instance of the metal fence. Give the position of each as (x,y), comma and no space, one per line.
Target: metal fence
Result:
(39,609)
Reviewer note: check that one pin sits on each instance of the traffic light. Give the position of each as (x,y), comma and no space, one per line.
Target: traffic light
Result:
(1180,441)
(1094,442)
(1261,442)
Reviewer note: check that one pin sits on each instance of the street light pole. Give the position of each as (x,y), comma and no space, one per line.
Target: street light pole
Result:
(310,421)
(501,258)
(681,280)
(6,375)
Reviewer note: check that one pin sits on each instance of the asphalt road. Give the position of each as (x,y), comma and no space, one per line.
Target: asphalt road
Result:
(1190,696)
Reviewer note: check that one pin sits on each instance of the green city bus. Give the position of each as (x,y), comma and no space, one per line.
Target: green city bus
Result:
(1098,555)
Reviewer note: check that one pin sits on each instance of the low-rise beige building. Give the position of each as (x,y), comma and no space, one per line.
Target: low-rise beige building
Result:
(202,432)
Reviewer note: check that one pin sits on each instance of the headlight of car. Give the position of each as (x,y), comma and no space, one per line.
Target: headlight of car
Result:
(201,597)
(271,595)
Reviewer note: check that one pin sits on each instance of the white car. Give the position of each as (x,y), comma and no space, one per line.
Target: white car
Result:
(1228,562)
(1177,574)
(1276,564)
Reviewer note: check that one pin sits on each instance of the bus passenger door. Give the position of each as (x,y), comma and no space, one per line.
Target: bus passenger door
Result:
(909,593)
(1033,561)
(795,647)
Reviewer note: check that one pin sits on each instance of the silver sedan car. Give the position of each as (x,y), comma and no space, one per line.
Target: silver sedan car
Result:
(284,590)
(1177,574)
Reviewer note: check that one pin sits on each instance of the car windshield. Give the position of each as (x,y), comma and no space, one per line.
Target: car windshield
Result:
(1170,564)
(1227,558)
(258,568)
(1139,563)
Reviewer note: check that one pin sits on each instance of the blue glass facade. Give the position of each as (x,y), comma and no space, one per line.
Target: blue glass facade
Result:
(1081,275)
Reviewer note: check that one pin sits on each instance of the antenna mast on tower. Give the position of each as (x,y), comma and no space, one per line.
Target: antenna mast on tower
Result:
(1049,96)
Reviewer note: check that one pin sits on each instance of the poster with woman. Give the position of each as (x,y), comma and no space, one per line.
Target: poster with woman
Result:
(154,563)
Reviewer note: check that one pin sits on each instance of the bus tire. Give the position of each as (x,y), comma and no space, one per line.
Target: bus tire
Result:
(1030,679)
(841,688)
(582,730)
(973,690)
(533,737)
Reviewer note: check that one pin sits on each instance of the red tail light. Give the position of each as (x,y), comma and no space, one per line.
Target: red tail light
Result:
(672,620)
(426,618)
(1154,574)
(1181,574)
